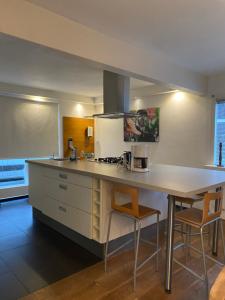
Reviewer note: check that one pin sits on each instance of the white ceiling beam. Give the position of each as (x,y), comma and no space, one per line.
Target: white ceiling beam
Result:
(32,23)
(31,93)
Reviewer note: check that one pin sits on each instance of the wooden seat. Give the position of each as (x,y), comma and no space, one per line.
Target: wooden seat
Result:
(143,211)
(191,216)
(199,218)
(196,214)
(190,201)
(132,209)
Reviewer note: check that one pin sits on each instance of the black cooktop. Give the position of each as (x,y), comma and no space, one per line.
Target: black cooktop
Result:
(110,160)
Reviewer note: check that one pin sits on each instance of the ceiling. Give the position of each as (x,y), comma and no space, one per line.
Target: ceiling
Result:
(189,32)
(27,64)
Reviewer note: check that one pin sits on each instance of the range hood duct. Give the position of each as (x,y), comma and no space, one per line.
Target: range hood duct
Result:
(116,96)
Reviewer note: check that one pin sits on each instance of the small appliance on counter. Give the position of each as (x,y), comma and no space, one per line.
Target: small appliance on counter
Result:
(73,150)
(127,160)
(140,158)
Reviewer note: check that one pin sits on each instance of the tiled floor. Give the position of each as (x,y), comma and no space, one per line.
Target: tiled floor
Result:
(32,255)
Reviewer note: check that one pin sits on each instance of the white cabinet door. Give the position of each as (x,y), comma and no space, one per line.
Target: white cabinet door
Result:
(51,208)
(36,186)
(76,219)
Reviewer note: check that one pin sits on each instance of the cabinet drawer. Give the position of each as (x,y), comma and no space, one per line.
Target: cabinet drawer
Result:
(50,208)
(73,195)
(78,179)
(76,220)
(73,218)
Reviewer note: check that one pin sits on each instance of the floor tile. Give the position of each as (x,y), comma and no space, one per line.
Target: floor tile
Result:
(34,254)
(39,265)
(3,268)
(12,241)
(8,228)
(11,288)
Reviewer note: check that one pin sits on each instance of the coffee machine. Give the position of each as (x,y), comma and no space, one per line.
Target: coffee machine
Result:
(140,158)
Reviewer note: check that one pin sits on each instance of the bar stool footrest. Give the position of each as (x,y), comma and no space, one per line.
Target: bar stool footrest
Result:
(189,270)
(148,259)
(119,248)
(207,256)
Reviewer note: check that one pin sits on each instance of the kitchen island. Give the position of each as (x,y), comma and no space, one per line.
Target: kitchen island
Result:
(77,195)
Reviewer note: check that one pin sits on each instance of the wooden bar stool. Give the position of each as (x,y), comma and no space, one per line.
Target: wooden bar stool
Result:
(189,202)
(199,219)
(137,213)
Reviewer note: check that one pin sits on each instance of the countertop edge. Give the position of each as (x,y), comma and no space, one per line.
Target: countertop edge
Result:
(123,181)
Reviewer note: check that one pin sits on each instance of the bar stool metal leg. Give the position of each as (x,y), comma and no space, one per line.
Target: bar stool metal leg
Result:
(203,257)
(209,235)
(222,237)
(107,240)
(186,241)
(215,232)
(135,235)
(189,241)
(157,243)
(136,253)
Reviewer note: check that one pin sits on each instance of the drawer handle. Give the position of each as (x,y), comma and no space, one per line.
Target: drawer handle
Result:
(62,208)
(63,187)
(63,176)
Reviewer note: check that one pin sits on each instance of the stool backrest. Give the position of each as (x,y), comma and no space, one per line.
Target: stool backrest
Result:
(209,198)
(133,194)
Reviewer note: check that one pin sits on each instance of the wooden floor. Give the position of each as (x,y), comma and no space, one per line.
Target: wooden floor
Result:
(92,283)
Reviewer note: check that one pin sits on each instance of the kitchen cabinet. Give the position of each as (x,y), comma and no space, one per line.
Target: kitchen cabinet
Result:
(36,186)
(63,196)
(81,202)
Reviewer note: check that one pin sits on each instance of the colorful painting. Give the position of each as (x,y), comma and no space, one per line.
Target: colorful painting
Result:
(144,127)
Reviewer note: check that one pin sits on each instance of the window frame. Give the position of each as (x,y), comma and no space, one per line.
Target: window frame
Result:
(217,102)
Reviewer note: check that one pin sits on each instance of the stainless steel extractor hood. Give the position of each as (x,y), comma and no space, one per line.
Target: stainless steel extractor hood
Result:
(116,96)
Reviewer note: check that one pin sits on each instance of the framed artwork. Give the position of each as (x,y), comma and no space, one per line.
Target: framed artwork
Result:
(144,127)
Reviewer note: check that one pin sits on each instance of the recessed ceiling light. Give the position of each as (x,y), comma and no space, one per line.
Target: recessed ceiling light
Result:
(179,96)
(38,98)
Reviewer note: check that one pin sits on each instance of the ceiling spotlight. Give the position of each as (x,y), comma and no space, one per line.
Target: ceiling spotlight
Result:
(38,98)
(179,96)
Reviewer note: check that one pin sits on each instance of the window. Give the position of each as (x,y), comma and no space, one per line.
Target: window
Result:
(219,131)
(28,129)
(12,173)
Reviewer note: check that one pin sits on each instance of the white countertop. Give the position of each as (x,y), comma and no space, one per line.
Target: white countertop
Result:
(174,180)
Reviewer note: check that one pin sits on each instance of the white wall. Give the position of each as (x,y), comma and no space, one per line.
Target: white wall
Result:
(186,130)
(216,86)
